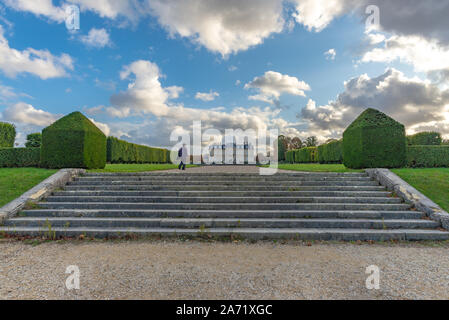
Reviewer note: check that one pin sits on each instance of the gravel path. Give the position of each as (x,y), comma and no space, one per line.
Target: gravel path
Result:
(199,270)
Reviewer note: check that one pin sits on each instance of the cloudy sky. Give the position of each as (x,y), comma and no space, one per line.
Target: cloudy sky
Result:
(142,69)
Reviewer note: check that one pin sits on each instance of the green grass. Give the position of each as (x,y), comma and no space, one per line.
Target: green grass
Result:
(137,167)
(434,183)
(315,167)
(15,181)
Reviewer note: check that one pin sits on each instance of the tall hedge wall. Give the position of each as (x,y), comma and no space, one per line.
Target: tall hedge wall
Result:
(290,156)
(374,140)
(19,157)
(425,139)
(428,156)
(7,135)
(73,142)
(119,151)
(306,155)
(331,152)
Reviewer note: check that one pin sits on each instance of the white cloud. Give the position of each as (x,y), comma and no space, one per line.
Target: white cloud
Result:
(224,27)
(411,101)
(37,62)
(424,54)
(112,9)
(273,84)
(330,54)
(44,8)
(102,126)
(232,68)
(207,96)
(145,94)
(27,114)
(96,38)
(316,15)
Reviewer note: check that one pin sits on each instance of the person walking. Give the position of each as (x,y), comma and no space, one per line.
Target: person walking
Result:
(182,154)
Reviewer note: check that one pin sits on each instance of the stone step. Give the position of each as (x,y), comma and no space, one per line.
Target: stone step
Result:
(114,213)
(226,183)
(219,174)
(223,199)
(224,206)
(247,233)
(226,193)
(46,223)
(222,188)
(225,179)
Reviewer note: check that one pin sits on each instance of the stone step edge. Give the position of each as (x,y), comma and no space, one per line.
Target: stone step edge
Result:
(246,233)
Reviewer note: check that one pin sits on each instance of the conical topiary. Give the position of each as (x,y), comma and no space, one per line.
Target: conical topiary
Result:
(374,140)
(73,142)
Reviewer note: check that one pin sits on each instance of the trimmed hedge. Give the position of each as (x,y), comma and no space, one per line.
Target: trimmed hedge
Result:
(119,151)
(19,157)
(306,155)
(7,135)
(331,152)
(425,139)
(290,156)
(428,156)
(374,140)
(34,140)
(73,142)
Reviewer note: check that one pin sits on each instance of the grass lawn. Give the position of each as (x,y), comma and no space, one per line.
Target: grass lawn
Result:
(15,181)
(314,167)
(434,183)
(137,167)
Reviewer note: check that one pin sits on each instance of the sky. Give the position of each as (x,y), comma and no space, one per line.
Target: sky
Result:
(142,70)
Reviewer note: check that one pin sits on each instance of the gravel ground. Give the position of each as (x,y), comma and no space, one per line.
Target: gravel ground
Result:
(217,270)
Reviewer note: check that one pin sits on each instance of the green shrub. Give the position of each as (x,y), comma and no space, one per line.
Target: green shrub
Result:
(19,157)
(425,139)
(7,135)
(119,151)
(306,155)
(428,156)
(331,152)
(374,140)
(73,142)
(34,140)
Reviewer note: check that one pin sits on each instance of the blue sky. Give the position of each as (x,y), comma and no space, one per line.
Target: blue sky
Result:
(189,50)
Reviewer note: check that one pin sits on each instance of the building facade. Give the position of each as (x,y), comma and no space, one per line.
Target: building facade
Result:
(232,153)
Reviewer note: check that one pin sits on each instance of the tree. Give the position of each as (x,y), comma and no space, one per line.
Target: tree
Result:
(282,147)
(311,142)
(34,140)
(296,143)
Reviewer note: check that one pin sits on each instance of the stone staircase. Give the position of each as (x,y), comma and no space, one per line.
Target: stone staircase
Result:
(302,206)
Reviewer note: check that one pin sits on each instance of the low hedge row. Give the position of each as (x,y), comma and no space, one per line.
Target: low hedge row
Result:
(331,152)
(306,155)
(425,139)
(19,157)
(119,151)
(428,156)
(290,156)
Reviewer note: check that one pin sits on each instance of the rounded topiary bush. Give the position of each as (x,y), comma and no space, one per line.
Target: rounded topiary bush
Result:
(374,140)
(73,142)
